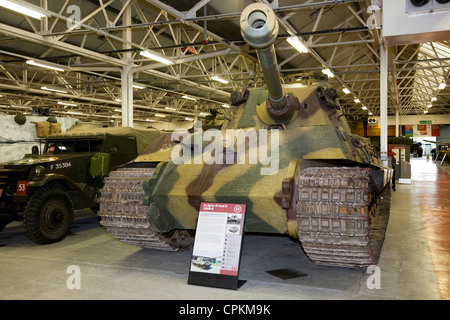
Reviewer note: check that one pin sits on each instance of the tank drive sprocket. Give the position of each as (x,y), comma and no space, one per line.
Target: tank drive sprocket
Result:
(342,219)
(125,216)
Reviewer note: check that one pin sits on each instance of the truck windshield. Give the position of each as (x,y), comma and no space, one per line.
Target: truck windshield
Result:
(66,146)
(59,146)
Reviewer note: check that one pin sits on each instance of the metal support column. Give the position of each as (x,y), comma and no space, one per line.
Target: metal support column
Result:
(383,103)
(127,97)
(44,20)
(397,122)
(127,75)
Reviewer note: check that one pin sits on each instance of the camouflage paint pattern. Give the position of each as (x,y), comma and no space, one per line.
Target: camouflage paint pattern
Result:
(322,186)
(318,135)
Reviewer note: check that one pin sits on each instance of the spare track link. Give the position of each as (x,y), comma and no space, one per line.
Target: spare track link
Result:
(125,216)
(341,221)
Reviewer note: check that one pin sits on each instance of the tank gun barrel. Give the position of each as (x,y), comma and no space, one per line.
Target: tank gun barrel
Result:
(259,28)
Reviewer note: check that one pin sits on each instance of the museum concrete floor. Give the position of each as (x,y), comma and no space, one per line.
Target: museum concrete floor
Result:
(414,264)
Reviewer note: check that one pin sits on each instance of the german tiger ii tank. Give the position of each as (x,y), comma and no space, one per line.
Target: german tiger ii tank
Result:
(286,152)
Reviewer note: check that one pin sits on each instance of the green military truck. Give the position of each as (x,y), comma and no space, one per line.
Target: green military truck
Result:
(43,190)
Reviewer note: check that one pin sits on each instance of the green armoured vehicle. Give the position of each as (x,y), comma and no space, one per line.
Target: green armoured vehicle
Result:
(44,189)
(314,181)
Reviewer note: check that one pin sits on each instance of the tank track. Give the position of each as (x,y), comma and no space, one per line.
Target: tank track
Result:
(342,218)
(125,216)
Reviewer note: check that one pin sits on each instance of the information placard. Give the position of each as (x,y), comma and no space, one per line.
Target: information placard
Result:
(217,246)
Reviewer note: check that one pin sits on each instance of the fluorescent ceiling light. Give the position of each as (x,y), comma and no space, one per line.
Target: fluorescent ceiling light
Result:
(53,89)
(346,91)
(328,73)
(297,44)
(216,78)
(67,104)
(155,57)
(188,119)
(429,106)
(225,106)
(159,115)
(434,99)
(357,101)
(150,120)
(370,114)
(364,108)
(189,98)
(117,110)
(425,111)
(118,100)
(138,86)
(204,114)
(73,112)
(442,86)
(45,65)
(20,107)
(170,108)
(21,9)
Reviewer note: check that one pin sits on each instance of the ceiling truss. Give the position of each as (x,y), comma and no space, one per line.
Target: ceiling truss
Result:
(93,40)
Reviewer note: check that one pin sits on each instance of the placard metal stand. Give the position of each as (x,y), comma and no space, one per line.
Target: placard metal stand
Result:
(217,247)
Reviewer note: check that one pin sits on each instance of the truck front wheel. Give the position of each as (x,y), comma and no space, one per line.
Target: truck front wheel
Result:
(48,216)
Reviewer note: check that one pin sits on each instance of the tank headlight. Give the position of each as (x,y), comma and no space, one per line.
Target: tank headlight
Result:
(37,173)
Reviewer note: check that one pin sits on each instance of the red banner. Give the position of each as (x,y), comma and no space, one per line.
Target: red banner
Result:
(436,130)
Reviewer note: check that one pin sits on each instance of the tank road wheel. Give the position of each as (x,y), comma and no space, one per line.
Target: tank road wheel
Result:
(48,216)
(341,218)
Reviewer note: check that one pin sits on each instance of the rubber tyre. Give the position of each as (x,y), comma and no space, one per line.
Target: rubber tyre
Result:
(48,216)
